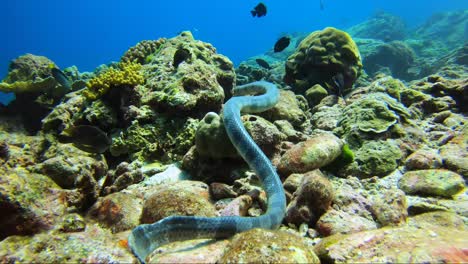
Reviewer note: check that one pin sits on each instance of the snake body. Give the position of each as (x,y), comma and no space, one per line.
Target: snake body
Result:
(146,238)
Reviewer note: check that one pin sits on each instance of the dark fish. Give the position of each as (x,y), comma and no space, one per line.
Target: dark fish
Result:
(322,7)
(61,78)
(338,79)
(259,11)
(263,63)
(180,55)
(87,138)
(281,44)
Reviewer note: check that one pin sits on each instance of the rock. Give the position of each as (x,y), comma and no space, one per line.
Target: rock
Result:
(313,198)
(312,154)
(343,222)
(321,56)
(455,153)
(381,25)
(423,159)
(290,107)
(265,246)
(396,56)
(220,191)
(375,158)
(327,117)
(123,176)
(189,251)
(315,94)
(93,245)
(436,182)
(396,245)
(63,114)
(211,139)
(177,199)
(72,223)
(31,203)
(117,211)
(195,85)
(363,205)
(74,170)
(237,207)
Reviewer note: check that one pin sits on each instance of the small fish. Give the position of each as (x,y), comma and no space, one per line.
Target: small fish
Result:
(259,11)
(338,79)
(87,138)
(281,44)
(179,56)
(60,77)
(263,63)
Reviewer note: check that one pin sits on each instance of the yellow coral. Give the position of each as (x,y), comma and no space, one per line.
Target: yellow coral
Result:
(128,74)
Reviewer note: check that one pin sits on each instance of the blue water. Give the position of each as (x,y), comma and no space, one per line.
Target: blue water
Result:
(87,33)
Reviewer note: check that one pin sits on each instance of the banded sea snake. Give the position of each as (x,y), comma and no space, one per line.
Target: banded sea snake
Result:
(147,237)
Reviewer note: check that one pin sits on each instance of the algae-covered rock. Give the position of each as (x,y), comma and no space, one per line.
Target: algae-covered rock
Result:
(315,94)
(74,170)
(396,245)
(455,153)
(310,200)
(187,76)
(312,154)
(423,159)
(434,182)
(320,57)
(383,26)
(31,203)
(177,199)
(166,138)
(117,211)
(265,246)
(211,139)
(290,107)
(376,158)
(396,56)
(93,245)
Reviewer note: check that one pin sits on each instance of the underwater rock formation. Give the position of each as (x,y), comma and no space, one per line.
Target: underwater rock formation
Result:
(320,57)
(35,88)
(395,56)
(194,85)
(382,26)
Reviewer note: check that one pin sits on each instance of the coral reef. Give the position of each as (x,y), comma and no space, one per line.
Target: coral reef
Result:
(128,74)
(368,173)
(143,51)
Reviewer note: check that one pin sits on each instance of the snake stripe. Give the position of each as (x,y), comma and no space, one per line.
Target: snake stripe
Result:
(145,238)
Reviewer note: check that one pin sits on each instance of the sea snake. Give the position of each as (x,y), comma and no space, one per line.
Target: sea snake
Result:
(145,238)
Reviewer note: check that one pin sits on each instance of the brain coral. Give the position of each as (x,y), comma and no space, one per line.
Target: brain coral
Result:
(142,51)
(321,56)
